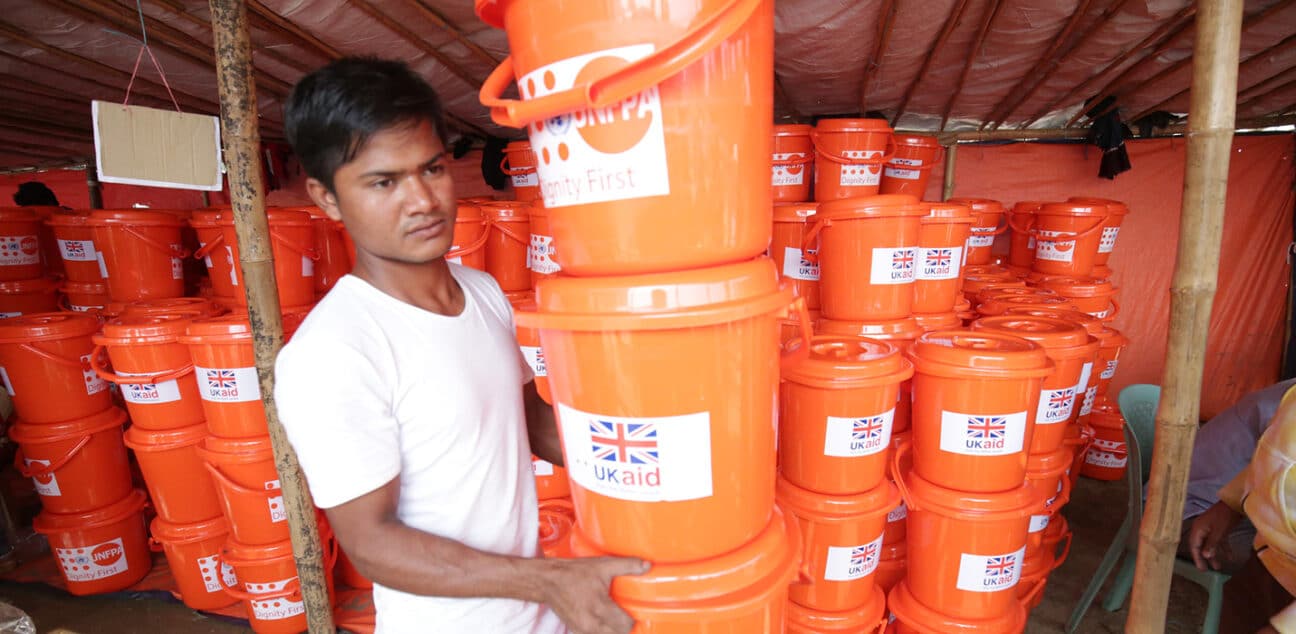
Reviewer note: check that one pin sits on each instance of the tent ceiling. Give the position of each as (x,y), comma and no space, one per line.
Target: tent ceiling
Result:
(937,64)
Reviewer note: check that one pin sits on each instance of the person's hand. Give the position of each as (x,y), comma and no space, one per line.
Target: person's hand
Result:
(578,592)
(1206,537)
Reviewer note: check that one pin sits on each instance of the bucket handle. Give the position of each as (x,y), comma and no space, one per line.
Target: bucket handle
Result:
(795,160)
(511,171)
(790,359)
(1066,551)
(206,249)
(1035,591)
(1012,222)
(811,238)
(939,160)
(308,252)
(902,447)
(175,252)
(1065,237)
(34,470)
(290,591)
(887,154)
(1001,227)
(471,248)
(1115,310)
(525,240)
(54,358)
(224,480)
(97,363)
(621,83)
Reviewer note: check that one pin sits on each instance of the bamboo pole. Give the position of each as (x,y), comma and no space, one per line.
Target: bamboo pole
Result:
(242,151)
(1210,143)
(951,156)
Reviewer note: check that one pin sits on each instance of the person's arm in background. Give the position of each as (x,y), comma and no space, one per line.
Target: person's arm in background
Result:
(542,426)
(1207,537)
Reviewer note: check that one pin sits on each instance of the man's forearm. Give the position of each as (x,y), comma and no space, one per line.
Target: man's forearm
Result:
(542,428)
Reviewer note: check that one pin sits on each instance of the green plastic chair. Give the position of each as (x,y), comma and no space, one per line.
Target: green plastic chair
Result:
(1138,404)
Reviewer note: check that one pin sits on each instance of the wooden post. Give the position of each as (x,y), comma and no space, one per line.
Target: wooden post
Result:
(1210,141)
(242,156)
(951,155)
(92,184)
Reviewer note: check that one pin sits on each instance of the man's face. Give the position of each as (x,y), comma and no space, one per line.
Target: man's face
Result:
(395,197)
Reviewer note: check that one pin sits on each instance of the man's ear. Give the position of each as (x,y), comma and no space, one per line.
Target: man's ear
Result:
(324,199)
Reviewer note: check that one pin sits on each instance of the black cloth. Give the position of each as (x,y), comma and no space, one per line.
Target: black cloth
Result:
(1109,133)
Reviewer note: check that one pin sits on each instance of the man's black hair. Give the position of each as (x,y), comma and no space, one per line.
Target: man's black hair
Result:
(334,111)
(35,194)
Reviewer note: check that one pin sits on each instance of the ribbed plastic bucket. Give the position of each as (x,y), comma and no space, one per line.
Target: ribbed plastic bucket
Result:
(225,369)
(75,239)
(142,252)
(193,553)
(1116,212)
(520,165)
(791,221)
(990,222)
(470,234)
(944,234)
(849,155)
(77,466)
(913,617)
(900,333)
(869,618)
(45,366)
(1067,237)
(1021,248)
(83,297)
(245,478)
(792,163)
(99,551)
(268,585)
(507,243)
(26,297)
(153,370)
(868,256)
(20,245)
(177,480)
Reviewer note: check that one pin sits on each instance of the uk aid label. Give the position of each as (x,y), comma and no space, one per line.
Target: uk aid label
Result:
(99,561)
(150,393)
(228,385)
(981,237)
(534,356)
(783,175)
(658,459)
(77,250)
(939,264)
(848,563)
(982,435)
(866,175)
(857,437)
(797,267)
(598,155)
(1055,406)
(893,265)
(1109,370)
(525,179)
(982,573)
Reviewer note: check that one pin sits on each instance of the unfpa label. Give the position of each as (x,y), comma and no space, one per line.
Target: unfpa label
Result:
(274,609)
(982,435)
(848,563)
(788,174)
(797,267)
(858,437)
(1054,250)
(861,175)
(19,250)
(212,578)
(982,573)
(1108,240)
(46,483)
(99,561)
(651,459)
(540,255)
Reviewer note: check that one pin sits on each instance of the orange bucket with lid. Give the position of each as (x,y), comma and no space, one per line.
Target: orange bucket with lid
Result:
(20,244)
(1116,212)
(912,617)
(292,241)
(178,483)
(841,543)
(792,164)
(26,297)
(142,252)
(1021,220)
(994,290)
(868,256)
(991,270)
(153,370)
(745,590)
(836,410)
(102,550)
(965,550)
(470,234)
(541,253)
(243,471)
(893,567)
(869,618)
(520,165)
(655,451)
(911,165)
(900,333)
(1091,295)
(989,222)
(1108,456)
(939,321)
(791,220)
(849,155)
(557,520)
(1071,350)
(941,240)
(507,242)
(628,112)
(897,517)
(998,302)
(83,297)
(1101,271)
(225,370)
(45,366)
(974,285)
(974,399)
(193,553)
(551,480)
(1113,343)
(76,466)
(215,253)
(268,586)
(193,307)
(1067,237)
(1079,438)
(1047,473)
(529,343)
(1036,568)
(75,239)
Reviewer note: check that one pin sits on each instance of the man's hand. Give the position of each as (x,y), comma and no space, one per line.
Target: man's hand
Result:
(578,592)
(1206,538)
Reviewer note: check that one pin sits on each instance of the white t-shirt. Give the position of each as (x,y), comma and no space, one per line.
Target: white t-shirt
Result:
(371,388)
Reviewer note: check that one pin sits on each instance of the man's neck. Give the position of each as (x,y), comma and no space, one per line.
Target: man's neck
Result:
(429,286)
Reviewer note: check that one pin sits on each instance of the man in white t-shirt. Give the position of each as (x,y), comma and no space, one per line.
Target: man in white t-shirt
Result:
(404,393)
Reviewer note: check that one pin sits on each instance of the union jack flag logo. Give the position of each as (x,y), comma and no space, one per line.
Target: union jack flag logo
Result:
(1000,566)
(1061,398)
(867,428)
(75,249)
(221,379)
(940,257)
(987,427)
(138,390)
(902,259)
(862,555)
(627,443)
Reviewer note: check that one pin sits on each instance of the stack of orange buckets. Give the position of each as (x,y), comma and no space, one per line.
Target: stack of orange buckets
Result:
(25,287)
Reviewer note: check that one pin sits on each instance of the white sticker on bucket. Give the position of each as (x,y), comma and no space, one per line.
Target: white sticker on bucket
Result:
(227,385)
(540,255)
(229,259)
(274,609)
(177,265)
(797,267)
(1039,523)
(1107,454)
(1030,243)
(19,250)
(308,266)
(541,468)
(77,250)
(10,314)
(4,374)
(211,578)
(981,237)
(603,154)
(989,573)
(525,179)
(657,459)
(206,258)
(93,384)
(103,267)
(534,356)
(1091,395)
(46,484)
(893,265)
(784,175)
(1085,373)
(1054,250)
(1108,241)
(1055,406)
(939,264)
(866,175)
(848,563)
(982,435)
(278,513)
(150,393)
(898,514)
(903,174)
(858,437)
(99,561)
(1110,370)
(83,309)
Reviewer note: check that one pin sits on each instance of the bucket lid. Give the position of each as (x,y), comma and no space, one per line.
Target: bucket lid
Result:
(1073,209)
(237,450)
(518,146)
(980,353)
(916,140)
(1079,286)
(141,328)
(206,218)
(34,285)
(84,288)
(196,307)
(924,619)
(862,619)
(852,125)
(507,211)
(48,522)
(904,329)
(1101,271)
(948,213)
(225,328)
(237,553)
(996,305)
(1091,324)
(22,432)
(173,533)
(875,502)
(468,212)
(1051,333)
(274,216)
(980,205)
(990,270)
(1106,415)
(882,206)
(1110,337)
(977,282)
(1027,206)
(134,217)
(772,554)
(66,218)
(140,439)
(938,321)
(46,327)
(926,496)
(18,214)
(846,360)
(1047,465)
(1114,207)
(796,129)
(794,212)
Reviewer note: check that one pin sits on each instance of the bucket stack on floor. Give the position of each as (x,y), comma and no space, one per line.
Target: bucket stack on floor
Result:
(28,277)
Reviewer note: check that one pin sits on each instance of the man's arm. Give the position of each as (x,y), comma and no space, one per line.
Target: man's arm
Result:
(542,426)
(396,556)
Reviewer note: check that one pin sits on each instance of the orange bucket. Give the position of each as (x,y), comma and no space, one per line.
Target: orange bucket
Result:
(901,333)
(177,481)
(628,113)
(225,369)
(1101,271)
(1067,237)
(1021,248)
(1094,296)
(77,466)
(529,343)
(292,242)
(945,231)
(836,410)
(969,547)
(142,253)
(244,473)
(215,253)
(26,297)
(745,590)
(76,247)
(102,550)
(998,302)
(268,585)
(868,252)
(869,618)
(194,307)
(792,164)
(520,165)
(1036,568)
(541,254)
(891,570)
(153,370)
(991,270)
(470,234)
(974,396)
(1116,212)
(1071,350)
(557,519)
(45,366)
(1113,343)
(508,240)
(551,480)
(939,321)
(20,245)
(193,553)
(989,222)
(912,617)
(841,546)
(83,296)
(1108,456)
(974,285)
(994,290)
(911,166)
(1047,473)
(790,224)
(691,438)
(897,518)
(1079,438)
(849,157)
(334,262)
